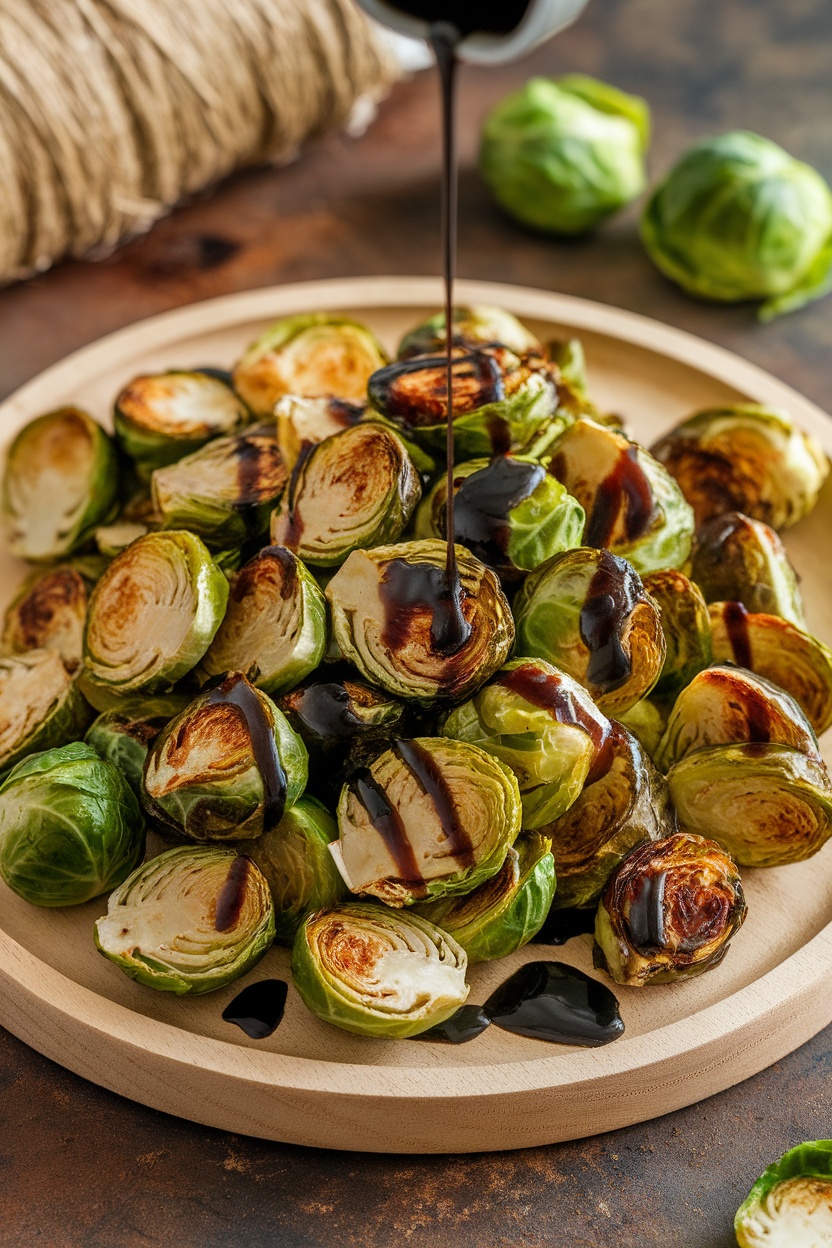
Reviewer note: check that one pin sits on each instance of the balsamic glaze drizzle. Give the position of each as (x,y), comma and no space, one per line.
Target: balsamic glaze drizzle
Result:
(483,502)
(423,766)
(388,823)
(258,1009)
(613,593)
(552,1001)
(234,690)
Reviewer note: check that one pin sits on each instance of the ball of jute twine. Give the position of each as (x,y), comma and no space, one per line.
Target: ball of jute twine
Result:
(113,110)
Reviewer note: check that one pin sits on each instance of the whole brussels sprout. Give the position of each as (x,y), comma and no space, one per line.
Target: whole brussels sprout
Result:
(790,1205)
(48,613)
(562,154)
(40,705)
(739,218)
(123,736)
(304,421)
(686,626)
(478,325)
(70,827)
(736,559)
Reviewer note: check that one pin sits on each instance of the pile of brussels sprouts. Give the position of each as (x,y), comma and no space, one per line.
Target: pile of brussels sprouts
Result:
(234,634)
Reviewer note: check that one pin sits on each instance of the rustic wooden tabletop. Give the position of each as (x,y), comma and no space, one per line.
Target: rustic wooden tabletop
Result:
(81,1168)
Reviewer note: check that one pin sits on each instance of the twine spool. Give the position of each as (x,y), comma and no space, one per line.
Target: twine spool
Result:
(112,110)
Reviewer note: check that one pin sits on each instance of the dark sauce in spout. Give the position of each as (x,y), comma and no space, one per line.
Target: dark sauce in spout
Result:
(645,917)
(735,617)
(466,1024)
(552,1001)
(547,691)
(625,491)
(423,766)
(613,593)
(561,925)
(258,1009)
(388,823)
(234,690)
(488,17)
(232,895)
(482,505)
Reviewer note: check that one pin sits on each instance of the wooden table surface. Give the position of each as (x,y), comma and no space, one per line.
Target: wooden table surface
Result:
(82,1168)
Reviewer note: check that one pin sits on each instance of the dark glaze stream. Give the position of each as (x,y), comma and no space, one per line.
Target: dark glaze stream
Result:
(234,690)
(625,490)
(388,823)
(466,1024)
(408,590)
(552,1001)
(258,1009)
(735,618)
(645,917)
(428,774)
(613,592)
(483,502)
(562,925)
(545,690)
(232,895)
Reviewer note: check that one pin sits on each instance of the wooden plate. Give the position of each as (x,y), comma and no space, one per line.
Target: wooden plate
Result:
(311,1084)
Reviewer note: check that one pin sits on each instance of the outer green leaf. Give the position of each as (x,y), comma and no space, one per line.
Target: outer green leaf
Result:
(790,1205)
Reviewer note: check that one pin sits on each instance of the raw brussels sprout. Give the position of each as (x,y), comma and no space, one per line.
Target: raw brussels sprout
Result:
(48,613)
(647,721)
(40,705)
(303,422)
(726,705)
(224,492)
(112,539)
(151,617)
(739,218)
(626,805)
(478,325)
(70,827)
(393,617)
(766,804)
(686,626)
(123,736)
(274,629)
(295,860)
(378,972)
(669,911)
(544,726)
(353,490)
(428,818)
(586,611)
(742,560)
(227,767)
(790,1205)
(633,506)
(159,417)
(189,921)
(783,653)
(501,915)
(309,355)
(59,482)
(562,154)
(507,511)
(745,458)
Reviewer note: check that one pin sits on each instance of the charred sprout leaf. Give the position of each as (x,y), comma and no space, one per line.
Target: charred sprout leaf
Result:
(587,612)
(766,804)
(70,827)
(742,560)
(790,1205)
(189,921)
(112,539)
(429,818)
(647,721)
(124,735)
(669,911)
(392,616)
(745,458)
(60,481)
(48,613)
(303,422)
(40,705)
(686,626)
(311,355)
(378,972)
(227,767)
(480,325)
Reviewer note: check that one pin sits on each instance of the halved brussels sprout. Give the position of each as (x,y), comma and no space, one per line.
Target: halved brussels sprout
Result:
(428,818)
(70,827)
(40,705)
(477,325)
(766,804)
(686,626)
(274,629)
(112,539)
(227,767)
(303,422)
(224,492)
(741,560)
(745,458)
(394,617)
(60,480)
(633,506)
(308,355)
(786,655)
(48,613)
(544,726)
(727,705)
(353,490)
(501,915)
(669,911)
(790,1205)
(124,735)
(151,617)
(586,611)
(190,921)
(376,972)
(295,860)
(159,417)
(626,805)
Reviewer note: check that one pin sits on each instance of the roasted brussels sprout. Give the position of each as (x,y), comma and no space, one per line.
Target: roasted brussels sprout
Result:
(151,617)
(376,972)
(544,726)
(669,911)
(303,422)
(745,458)
(48,613)
(224,492)
(686,626)
(479,325)
(159,417)
(189,921)
(738,218)
(647,721)
(227,767)
(274,629)
(60,481)
(766,804)
(742,560)
(428,818)
(501,915)
(308,355)
(295,860)
(783,653)
(633,506)
(40,705)
(394,617)
(123,736)
(70,827)
(586,611)
(790,1205)
(562,154)
(112,539)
